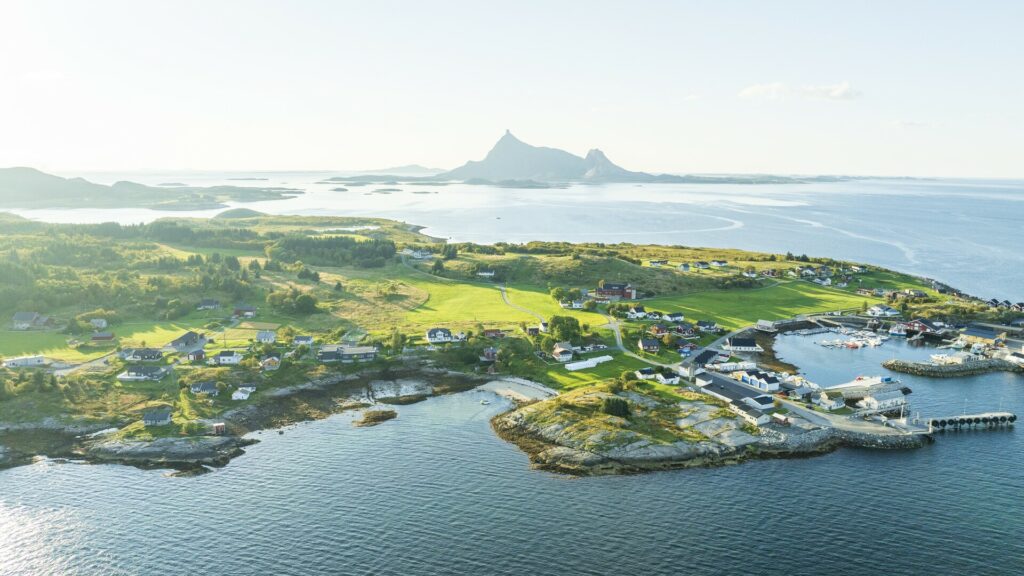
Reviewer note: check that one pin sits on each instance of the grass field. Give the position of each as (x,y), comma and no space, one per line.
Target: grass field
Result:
(566,380)
(737,308)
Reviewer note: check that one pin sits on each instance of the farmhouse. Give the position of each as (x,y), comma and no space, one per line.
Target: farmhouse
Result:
(26,320)
(244,311)
(616,291)
(270,363)
(102,337)
(98,323)
(684,267)
(439,335)
(701,265)
(645,373)
(266,337)
(196,355)
(158,417)
(302,341)
(562,352)
(208,304)
(672,317)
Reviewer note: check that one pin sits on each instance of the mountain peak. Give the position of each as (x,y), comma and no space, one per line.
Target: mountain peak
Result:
(513,159)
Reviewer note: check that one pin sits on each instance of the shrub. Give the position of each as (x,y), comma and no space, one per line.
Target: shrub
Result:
(615,407)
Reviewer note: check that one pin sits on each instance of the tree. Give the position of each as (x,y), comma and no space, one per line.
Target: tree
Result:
(589,305)
(437,267)
(564,328)
(558,293)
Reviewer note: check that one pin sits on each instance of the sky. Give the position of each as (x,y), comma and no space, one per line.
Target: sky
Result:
(927,88)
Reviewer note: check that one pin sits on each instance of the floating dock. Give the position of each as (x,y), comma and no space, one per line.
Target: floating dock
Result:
(966,421)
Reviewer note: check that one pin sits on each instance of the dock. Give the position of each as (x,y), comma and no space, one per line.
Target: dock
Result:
(973,421)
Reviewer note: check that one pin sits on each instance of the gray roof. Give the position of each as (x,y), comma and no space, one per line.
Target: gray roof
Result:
(25,316)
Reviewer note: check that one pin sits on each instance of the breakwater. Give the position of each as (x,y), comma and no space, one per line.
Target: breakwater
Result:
(969,368)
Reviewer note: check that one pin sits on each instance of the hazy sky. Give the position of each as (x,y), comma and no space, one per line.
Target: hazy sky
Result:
(887,87)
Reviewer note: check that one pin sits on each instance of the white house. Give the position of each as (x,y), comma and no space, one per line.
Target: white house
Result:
(24,361)
(240,394)
(750,414)
(25,320)
(225,358)
(883,401)
(883,311)
(439,335)
(668,377)
(485,274)
(562,352)
(266,337)
(636,313)
(829,403)
(98,323)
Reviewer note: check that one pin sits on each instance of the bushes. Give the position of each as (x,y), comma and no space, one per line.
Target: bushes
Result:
(615,406)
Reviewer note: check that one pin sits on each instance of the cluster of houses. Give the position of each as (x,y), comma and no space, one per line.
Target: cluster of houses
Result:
(698,265)
(1005,305)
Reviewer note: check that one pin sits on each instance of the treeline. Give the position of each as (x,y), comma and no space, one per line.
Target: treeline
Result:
(332,251)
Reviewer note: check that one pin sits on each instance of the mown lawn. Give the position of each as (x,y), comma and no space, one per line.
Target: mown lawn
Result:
(737,308)
(567,380)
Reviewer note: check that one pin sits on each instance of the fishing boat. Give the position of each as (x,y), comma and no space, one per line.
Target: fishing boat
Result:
(898,330)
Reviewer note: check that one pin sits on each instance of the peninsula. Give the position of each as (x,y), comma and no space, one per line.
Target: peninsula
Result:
(166,344)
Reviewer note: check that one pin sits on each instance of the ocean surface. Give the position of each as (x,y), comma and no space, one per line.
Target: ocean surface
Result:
(964,232)
(435,492)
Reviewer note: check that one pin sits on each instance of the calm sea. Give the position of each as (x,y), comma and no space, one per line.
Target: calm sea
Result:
(964,232)
(435,492)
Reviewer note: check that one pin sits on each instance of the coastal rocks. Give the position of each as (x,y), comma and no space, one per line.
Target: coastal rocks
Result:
(374,417)
(190,451)
(968,368)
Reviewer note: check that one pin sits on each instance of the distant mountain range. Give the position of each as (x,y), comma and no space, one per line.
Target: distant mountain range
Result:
(512,160)
(30,188)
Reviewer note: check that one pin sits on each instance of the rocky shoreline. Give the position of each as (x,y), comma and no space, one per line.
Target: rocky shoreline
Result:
(316,399)
(546,453)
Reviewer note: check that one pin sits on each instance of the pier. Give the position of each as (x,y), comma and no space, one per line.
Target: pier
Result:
(965,421)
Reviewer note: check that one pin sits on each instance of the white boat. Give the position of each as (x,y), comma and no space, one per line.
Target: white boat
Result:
(485,402)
